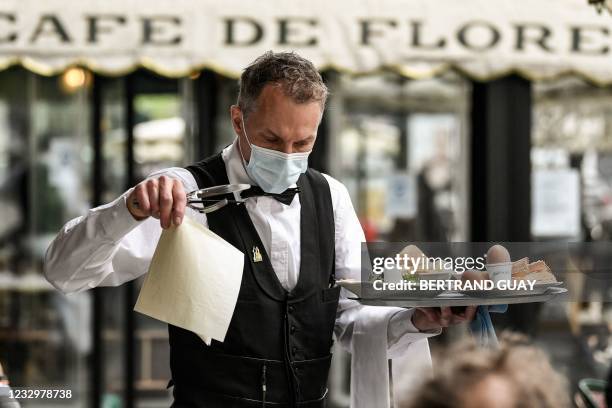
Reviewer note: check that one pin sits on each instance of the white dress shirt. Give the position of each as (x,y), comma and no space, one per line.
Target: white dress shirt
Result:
(107,247)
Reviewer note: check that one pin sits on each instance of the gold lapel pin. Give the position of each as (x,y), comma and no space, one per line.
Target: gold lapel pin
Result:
(256,254)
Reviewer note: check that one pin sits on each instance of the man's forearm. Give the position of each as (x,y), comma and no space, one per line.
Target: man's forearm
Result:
(81,255)
(400,329)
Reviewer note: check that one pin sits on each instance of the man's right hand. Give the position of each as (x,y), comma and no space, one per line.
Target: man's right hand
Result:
(162,197)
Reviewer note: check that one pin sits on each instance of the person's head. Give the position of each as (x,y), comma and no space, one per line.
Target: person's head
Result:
(516,375)
(281,100)
(280,105)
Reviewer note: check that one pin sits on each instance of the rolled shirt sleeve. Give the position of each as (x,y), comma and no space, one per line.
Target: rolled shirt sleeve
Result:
(107,246)
(401,332)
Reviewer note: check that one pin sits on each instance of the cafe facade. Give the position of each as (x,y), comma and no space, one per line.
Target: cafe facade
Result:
(446,120)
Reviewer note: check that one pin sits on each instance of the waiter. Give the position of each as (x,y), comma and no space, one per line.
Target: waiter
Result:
(297,229)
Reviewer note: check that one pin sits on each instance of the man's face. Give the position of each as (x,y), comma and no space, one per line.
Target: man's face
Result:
(278,123)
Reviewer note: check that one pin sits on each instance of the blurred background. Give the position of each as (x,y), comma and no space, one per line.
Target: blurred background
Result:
(474,129)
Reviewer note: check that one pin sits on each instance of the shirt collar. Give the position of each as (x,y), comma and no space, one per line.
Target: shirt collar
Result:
(236,174)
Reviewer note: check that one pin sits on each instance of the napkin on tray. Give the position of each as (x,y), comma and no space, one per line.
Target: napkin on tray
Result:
(482,327)
(193,281)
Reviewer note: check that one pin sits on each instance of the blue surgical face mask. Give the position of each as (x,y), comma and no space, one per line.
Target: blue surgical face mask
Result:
(272,170)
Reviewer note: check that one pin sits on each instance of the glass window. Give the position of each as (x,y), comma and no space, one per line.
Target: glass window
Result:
(161,140)
(572,201)
(45,161)
(114,154)
(570,161)
(400,143)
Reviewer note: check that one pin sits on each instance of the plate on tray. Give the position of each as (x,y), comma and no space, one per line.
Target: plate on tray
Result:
(460,299)
(547,285)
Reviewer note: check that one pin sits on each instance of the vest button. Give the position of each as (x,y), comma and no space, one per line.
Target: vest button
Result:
(294,350)
(292,329)
(291,308)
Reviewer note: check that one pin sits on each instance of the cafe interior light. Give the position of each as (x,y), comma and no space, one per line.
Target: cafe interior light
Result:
(74,78)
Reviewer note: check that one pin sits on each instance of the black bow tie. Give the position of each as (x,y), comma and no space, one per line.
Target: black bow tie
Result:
(286,197)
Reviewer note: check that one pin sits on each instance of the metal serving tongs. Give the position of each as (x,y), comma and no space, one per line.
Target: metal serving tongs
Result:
(198,199)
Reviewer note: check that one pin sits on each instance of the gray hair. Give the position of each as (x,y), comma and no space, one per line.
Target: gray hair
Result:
(297,76)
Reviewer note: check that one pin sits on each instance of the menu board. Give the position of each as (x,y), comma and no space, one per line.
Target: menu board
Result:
(555,205)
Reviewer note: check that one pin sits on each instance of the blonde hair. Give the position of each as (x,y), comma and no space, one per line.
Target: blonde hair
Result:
(463,366)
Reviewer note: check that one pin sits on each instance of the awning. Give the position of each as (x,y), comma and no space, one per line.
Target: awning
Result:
(482,39)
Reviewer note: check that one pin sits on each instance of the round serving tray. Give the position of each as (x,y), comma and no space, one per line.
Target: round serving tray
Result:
(459,299)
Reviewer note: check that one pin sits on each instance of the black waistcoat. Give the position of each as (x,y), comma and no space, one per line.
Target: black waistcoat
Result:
(277,349)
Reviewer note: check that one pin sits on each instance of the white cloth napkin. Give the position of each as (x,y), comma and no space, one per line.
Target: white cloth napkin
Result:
(370,385)
(193,281)
(410,370)
(369,366)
